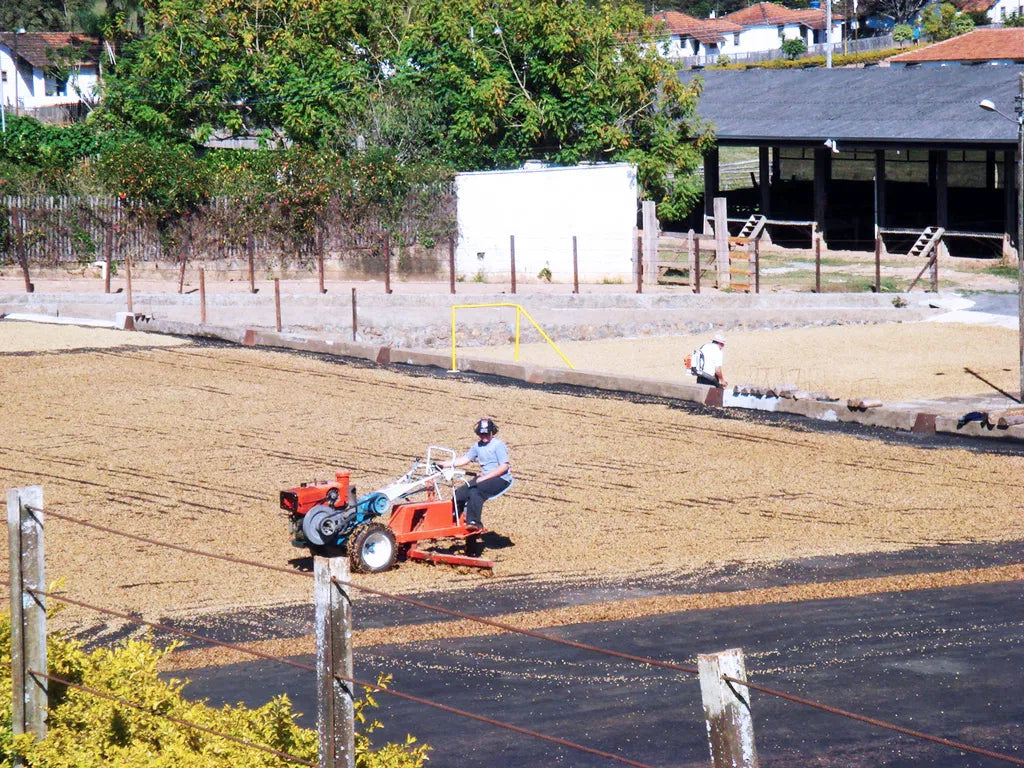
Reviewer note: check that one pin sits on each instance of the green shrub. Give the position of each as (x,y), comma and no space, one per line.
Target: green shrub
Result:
(86,731)
(902,33)
(793,47)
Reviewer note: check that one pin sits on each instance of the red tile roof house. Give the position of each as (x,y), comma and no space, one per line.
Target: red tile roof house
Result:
(752,30)
(980,46)
(996,10)
(30,76)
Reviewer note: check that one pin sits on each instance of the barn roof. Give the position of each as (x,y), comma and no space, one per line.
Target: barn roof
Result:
(871,107)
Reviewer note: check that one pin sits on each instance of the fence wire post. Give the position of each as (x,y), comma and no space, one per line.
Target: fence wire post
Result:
(277,303)
(28,611)
(335,699)
(512,258)
(727,710)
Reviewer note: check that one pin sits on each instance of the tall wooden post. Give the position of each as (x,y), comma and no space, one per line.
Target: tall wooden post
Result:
(757,265)
(333,628)
(28,611)
(722,242)
(727,710)
(649,257)
(20,251)
(878,262)
(512,257)
(108,256)
(451,263)
(639,263)
(277,302)
(387,262)
(202,296)
(575,268)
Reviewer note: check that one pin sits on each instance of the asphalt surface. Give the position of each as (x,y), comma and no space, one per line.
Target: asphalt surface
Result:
(942,661)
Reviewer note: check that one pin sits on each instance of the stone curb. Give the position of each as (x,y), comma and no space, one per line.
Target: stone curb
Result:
(891,417)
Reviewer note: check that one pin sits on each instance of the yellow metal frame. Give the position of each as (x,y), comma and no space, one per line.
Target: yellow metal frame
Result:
(519,311)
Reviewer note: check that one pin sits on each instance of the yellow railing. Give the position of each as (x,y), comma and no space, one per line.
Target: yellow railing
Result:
(519,311)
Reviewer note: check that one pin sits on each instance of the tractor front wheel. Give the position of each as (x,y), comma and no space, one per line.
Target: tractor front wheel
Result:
(372,548)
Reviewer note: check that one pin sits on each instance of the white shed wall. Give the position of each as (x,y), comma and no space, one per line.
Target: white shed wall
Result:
(543,208)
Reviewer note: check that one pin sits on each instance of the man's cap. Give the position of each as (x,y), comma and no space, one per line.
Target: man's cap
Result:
(718,338)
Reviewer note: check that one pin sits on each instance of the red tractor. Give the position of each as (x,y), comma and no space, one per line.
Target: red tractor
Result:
(329,518)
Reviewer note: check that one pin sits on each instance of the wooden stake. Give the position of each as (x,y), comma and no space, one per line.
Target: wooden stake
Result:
(28,611)
(817,265)
(320,259)
(333,628)
(696,265)
(878,263)
(354,323)
(387,262)
(727,710)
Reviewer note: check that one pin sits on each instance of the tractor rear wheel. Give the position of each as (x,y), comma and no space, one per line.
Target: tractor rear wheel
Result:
(372,548)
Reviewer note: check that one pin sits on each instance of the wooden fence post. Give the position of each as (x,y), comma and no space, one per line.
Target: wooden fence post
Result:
(128,279)
(878,262)
(28,611)
(639,263)
(20,251)
(652,229)
(451,263)
(757,265)
(202,296)
(108,257)
(333,627)
(354,321)
(722,243)
(250,250)
(696,264)
(387,262)
(320,259)
(575,268)
(277,301)
(817,264)
(512,256)
(727,710)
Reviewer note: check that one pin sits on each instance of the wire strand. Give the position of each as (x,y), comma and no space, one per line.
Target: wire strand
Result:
(350,681)
(178,720)
(873,721)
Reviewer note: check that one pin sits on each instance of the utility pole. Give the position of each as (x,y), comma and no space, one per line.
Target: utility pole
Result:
(828,34)
(1020,226)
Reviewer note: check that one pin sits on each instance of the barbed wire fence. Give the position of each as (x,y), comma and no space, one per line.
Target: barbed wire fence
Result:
(725,689)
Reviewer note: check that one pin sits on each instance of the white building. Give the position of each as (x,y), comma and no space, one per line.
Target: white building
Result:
(543,208)
(755,29)
(37,80)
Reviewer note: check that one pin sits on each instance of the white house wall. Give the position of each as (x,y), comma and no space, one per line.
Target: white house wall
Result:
(543,208)
(31,89)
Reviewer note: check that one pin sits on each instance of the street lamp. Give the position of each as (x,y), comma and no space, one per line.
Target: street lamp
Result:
(987,105)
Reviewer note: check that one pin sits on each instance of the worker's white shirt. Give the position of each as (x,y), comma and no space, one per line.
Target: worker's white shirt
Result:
(713,358)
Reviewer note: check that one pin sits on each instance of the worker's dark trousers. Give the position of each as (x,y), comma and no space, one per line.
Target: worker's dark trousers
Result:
(710,381)
(472,498)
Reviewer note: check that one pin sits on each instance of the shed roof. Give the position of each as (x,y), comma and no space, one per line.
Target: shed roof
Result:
(869,107)
(33,46)
(1006,44)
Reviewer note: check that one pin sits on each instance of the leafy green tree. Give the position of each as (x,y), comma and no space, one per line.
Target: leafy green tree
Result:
(945,22)
(88,731)
(794,46)
(902,33)
(1015,19)
(40,15)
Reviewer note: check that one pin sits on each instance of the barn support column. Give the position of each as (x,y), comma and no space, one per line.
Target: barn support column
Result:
(1010,196)
(765,177)
(776,165)
(938,172)
(710,187)
(822,176)
(990,170)
(880,187)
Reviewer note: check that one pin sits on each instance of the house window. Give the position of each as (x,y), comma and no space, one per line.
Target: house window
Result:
(781,30)
(736,38)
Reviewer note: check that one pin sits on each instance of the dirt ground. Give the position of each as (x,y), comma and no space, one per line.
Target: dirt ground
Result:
(190,444)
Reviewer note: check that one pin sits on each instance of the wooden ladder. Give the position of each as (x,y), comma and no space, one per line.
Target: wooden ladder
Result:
(741,267)
(928,239)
